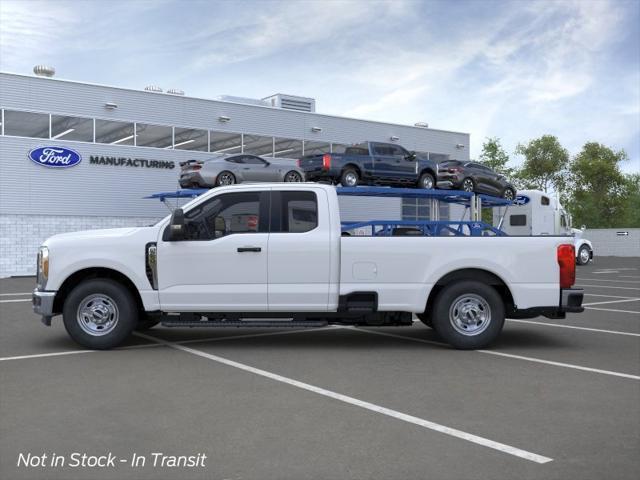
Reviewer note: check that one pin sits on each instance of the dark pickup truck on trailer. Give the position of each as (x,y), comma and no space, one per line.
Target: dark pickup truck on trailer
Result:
(371,163)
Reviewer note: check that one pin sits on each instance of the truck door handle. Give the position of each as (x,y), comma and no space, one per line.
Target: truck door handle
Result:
(249,249)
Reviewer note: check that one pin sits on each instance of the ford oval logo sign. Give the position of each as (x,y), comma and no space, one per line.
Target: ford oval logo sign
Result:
(521,200)
(55,157)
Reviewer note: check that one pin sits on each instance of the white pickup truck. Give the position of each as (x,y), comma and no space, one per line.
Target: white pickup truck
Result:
(274,255)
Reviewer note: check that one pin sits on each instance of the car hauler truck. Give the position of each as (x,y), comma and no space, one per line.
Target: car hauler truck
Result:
(294,264)
(536,213)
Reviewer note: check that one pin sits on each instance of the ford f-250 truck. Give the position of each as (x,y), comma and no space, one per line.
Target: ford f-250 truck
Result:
(372,163)
(276,252)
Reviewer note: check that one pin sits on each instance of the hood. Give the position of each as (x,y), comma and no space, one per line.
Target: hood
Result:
(100,237)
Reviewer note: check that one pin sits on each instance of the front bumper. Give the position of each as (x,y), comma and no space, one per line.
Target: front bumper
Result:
(42,303)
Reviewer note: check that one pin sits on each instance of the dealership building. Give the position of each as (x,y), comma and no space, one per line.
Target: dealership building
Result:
(128,143)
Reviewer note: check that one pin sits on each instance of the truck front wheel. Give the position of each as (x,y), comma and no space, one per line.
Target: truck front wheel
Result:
(468,314)
(584,255)
(100,313)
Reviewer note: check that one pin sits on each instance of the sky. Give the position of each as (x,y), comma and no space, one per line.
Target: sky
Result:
(509,69)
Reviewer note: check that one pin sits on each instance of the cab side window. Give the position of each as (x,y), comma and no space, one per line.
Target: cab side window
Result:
(294,212)
(223,215)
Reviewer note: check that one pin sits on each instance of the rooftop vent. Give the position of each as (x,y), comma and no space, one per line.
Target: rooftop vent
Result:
(153,88)
(421,124)
(175,91)
(292,102)
(44,71)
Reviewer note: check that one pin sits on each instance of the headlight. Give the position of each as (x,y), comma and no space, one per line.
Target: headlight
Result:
(43,266)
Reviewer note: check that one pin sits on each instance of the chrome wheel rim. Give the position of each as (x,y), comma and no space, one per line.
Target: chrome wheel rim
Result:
(97,314)
(293,177)
(226,179)
(427,183)
(470,314)
(467,185)
(508,194)
(584,255)
(351,179)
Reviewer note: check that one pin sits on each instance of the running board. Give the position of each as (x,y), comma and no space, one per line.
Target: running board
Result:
(245,324)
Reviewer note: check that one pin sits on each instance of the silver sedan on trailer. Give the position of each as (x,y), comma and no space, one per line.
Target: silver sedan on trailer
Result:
(230,169)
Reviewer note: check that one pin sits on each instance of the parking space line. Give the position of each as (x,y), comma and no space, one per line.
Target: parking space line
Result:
(147,345)
(609,286)
(16,300)
(587,329)
(42,355)
(14,294)
(611,301)
(607,280)
(508,355)
(606,296)
(611,310)
(485,442)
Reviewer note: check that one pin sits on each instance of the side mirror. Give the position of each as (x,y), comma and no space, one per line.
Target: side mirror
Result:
(412,156)
(176,225)
(220,227)
(583,227)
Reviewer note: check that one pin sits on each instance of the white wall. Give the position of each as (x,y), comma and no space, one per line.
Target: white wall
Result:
(607,242)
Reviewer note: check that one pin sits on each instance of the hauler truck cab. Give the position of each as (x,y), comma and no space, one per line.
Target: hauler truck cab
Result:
(537,213)
(277,255)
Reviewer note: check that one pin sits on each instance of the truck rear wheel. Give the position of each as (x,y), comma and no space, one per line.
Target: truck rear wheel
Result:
(100,313)
(468,314)
(349,178)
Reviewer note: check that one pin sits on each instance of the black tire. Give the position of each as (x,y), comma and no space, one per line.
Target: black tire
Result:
(222,176)
(581,252)
(427,182)
(93,290)
(145,322)
(509,194)
(349,177)
(468,185)
(289,176)
(451,301)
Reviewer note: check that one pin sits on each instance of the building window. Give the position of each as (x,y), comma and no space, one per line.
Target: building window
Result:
(338,148)
(438,157)
(258,145)
(316,148)
(115,133)
(191,139)
(71,128)
(224,142)
(419,209)
(415,209)
(157,136)
(287,148)
(26,124)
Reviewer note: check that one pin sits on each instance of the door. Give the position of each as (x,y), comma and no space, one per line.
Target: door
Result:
(299,252)
(256,169)
(221,265)
(391,163)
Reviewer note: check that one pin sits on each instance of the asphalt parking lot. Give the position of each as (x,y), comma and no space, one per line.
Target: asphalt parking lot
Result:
(553,399)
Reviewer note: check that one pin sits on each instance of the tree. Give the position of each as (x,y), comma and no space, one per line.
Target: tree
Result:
(630,216)
(495,157)
(598,191)
(545,164)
